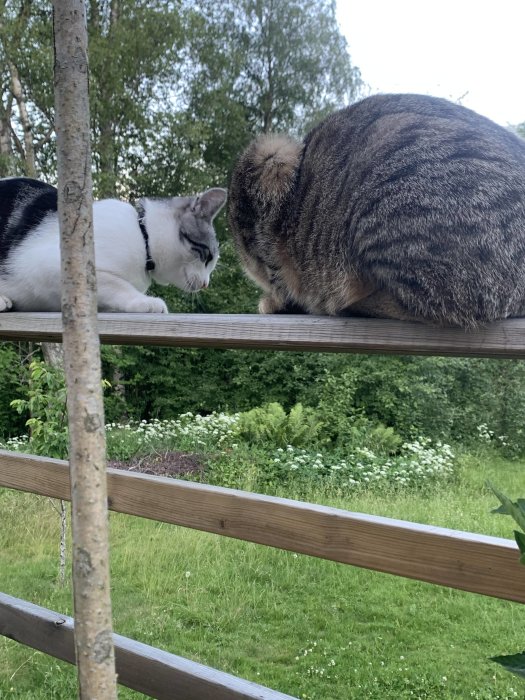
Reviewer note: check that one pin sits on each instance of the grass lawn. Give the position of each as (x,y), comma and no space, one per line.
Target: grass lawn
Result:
(311,628)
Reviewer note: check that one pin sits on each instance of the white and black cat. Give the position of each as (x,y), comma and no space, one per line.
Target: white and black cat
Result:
(168,241)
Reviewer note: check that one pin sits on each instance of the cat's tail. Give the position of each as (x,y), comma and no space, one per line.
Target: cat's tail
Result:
(274,160)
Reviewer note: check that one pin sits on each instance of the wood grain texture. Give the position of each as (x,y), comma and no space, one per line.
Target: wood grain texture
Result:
(156,673)
(471,562)
(315,333)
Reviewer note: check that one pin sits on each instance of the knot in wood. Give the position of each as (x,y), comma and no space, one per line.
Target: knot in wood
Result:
(72,192)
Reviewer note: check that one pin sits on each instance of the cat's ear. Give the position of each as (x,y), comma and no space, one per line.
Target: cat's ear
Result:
(209,204)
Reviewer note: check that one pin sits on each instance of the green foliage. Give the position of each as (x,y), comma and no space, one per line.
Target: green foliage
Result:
(12,381)
(517,512)
(285,62)
(336,404)
(254,451)
(515,663)
(383,439)
(26,49)
(131,74)
(271,424)
(388,400)
(187,432)
(444,398)
(314,474)
(516,509)
(46,405)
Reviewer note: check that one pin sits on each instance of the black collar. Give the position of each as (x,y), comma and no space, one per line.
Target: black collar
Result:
(150,263)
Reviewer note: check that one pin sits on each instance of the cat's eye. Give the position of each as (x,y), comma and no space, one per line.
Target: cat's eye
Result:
(199,249)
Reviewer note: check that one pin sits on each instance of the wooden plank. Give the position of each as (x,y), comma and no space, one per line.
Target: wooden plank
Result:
(156,673)
(315,333)
(471,562)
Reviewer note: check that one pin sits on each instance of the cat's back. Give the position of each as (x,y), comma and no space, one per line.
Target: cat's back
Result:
(24,204)
(370,117)
(383,132)
(426,199)
(116,230)
(410,160)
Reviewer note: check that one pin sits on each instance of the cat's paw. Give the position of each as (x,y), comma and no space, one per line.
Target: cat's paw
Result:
(150,305)
(5,303)
(269,304)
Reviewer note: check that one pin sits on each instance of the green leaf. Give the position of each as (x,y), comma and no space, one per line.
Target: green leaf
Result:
(500,510)
(520,540)
(515,510)
(515,663)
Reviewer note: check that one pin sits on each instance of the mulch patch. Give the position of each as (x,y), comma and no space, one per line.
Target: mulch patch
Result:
(171,463)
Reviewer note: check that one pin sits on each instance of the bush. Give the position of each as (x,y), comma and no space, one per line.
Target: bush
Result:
(272,425)
(272,470)
(46,406)
(187,432)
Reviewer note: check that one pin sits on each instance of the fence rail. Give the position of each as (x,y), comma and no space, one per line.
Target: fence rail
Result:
(505,339)
(139,666)
(462,560)
(437,555)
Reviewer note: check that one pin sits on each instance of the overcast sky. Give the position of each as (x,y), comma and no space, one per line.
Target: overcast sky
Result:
(468,49)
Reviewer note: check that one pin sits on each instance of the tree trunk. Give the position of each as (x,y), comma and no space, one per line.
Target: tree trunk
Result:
(87,459)
(18,94)
(6,142)
(53,354)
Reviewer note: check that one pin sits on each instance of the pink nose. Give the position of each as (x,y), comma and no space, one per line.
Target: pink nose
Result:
(204,285)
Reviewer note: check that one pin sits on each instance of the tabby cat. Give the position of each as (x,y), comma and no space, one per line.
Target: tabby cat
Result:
(399,206)
(168,241)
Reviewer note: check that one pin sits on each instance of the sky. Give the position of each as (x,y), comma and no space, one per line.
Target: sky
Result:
(471,51)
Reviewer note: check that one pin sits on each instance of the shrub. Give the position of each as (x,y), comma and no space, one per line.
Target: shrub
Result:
(272,425)
(418,463)
(46,405)
(187,432)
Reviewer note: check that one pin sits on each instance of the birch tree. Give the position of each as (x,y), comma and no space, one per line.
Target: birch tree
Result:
(26,115)
(87,458)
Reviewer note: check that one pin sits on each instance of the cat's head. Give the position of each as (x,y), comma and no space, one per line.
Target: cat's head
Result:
(261,181)
(188,261)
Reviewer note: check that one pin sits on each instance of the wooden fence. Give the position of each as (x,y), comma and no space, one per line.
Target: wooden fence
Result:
(466,561)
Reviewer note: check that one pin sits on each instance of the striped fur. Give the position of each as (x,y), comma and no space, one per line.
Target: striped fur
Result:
(400,206)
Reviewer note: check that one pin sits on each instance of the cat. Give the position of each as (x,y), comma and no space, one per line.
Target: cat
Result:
(399,206)
(168,241)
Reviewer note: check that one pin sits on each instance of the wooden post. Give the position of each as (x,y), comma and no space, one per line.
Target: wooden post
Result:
(87,453)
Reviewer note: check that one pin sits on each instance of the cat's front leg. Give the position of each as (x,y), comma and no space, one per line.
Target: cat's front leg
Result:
(118,295)
(271,304)
(143,304)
